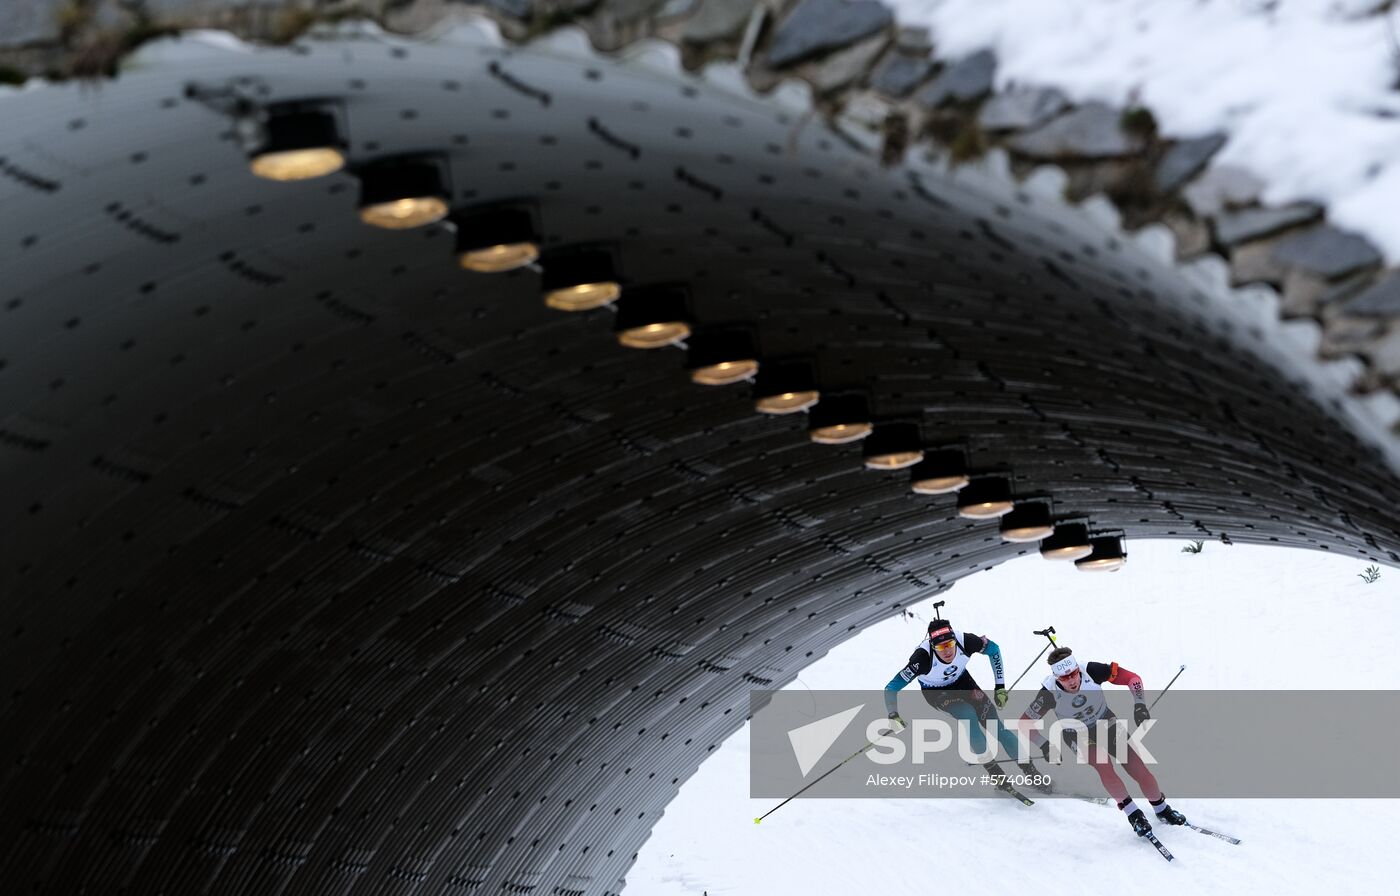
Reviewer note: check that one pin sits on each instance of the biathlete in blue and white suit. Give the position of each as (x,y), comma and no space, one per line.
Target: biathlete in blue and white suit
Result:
(940,664)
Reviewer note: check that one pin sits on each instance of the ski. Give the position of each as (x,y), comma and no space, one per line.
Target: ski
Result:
(1152,838)
(1216,834)
(1096,800)
(1013,793)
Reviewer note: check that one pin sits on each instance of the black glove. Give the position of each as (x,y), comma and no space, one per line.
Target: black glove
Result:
(1066,737)
(1140,714)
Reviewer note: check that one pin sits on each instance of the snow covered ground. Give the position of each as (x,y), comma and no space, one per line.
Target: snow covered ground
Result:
(1235,615)
(1305,88)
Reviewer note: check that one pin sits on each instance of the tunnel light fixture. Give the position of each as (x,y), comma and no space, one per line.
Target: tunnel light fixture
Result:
(1028,522)
(785,387)
(840,419)
(495,239)
(721,357)
(939,473)
(1069,541)
(653,316)
(297,141)
(893,446)
(985,498)
(578,279)
(1107,555)
(403,192)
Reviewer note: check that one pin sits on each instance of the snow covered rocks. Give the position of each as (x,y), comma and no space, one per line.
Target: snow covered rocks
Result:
(817,27)
(1261,132)
(1093,131)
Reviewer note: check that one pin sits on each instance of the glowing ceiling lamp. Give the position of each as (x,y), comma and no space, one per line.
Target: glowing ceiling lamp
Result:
(494,239)
(1107,555)
(785,387)
(403,192)
(839,419)
(893,446)
(1028,522)
(577,279)
(653,316)
(985,499)
(721,357)
(939,473)
(1070,541)
(298,141)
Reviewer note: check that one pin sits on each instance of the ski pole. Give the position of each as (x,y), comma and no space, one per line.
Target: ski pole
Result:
(1049,632)
(814,782)
(1168,687)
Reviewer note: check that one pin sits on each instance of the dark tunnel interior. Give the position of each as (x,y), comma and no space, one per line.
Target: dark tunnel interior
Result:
(330,566)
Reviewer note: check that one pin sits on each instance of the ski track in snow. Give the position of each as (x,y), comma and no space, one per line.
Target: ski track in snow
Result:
(1305,88)
(1231,614)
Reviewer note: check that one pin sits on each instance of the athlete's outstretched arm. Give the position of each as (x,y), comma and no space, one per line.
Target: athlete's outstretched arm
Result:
(919,663)
(1042,704)
(894,687)
(1116,674)
(1130,680)
(993,652)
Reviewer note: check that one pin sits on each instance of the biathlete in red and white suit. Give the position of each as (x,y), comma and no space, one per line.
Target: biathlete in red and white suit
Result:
(1073,696)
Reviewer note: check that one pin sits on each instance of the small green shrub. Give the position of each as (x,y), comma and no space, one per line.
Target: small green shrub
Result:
(969,144)
(1139,121)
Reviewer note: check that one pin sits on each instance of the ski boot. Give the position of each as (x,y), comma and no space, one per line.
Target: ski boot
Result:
(1030,771)
(1139,823)
(1166,814)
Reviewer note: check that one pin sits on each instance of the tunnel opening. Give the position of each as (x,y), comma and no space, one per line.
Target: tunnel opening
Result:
(1214,622)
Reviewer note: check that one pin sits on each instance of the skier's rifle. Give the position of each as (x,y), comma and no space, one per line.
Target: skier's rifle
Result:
(1048,632)
(1168,687)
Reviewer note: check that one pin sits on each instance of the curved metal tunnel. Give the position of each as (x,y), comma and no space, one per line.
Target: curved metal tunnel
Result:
(329,566)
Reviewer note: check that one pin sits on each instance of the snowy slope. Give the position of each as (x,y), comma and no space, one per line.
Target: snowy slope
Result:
(1305,88)
(1231,614)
